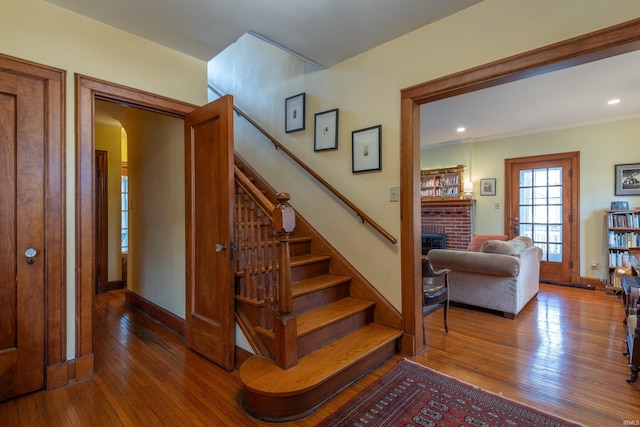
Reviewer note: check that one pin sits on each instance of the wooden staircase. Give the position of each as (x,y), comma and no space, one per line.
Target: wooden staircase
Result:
(343,328)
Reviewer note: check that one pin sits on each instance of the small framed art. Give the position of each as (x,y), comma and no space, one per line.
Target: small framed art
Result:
(326,130)
(294,113)
(628,179)
(488,187)
(366,146)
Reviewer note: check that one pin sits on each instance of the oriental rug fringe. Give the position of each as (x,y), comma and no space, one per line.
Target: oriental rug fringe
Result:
(413,395)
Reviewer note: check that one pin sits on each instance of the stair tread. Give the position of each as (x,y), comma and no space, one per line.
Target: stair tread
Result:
(297,260)
(305,286)
(320,317)
(263,375)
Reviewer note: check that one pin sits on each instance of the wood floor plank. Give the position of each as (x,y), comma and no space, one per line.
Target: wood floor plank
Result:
(562,354)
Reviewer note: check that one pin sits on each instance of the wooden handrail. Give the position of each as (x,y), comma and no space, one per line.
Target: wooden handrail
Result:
(363,216)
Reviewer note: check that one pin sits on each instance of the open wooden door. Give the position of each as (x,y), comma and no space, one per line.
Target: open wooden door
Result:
(22,252)
(210,325)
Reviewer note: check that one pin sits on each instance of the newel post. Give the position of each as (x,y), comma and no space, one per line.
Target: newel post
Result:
(285,325)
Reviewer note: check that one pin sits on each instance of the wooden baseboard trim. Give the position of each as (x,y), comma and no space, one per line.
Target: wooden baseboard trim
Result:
(58,375)
(84,367)
(110,286)
(156,312)
(597,283)
(240,356)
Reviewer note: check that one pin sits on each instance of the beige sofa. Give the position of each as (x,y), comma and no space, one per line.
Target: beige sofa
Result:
(502,276)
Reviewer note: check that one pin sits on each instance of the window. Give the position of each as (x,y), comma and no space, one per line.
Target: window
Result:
(124,241)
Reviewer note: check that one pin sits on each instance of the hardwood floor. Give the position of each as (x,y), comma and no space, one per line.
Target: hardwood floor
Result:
(562,354)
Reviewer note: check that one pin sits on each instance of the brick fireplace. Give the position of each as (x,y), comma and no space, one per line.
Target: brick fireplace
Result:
(453,217)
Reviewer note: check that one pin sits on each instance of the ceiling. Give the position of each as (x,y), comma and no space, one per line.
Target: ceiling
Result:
(330,31)
(326,32)
(572,97)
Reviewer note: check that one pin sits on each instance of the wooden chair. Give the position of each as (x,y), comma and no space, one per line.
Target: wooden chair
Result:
(434,296)
(633,334)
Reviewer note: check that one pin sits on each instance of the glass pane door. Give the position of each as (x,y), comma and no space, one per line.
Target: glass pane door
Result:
(541,210)
(541,197)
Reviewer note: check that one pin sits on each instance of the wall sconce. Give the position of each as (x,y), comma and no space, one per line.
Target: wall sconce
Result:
(468,190)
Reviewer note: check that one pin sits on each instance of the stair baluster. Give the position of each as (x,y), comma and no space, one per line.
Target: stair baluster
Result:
(262,233)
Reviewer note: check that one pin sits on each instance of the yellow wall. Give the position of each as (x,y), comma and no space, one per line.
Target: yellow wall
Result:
(366,89)
(109,138)
(601,146)
(156,259)
(38,31)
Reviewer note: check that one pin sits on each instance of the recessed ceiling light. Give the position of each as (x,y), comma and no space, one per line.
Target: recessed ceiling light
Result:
(613,101)
(461,129)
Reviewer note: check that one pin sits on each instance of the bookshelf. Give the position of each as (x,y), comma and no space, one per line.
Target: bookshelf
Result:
(623,233)
(442,184)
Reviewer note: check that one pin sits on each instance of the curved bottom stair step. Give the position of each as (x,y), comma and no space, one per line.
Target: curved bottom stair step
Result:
(274,394)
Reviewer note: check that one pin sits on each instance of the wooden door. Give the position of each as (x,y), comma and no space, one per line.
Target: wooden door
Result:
(210,324)
(22,160)
(542,203)
(102,220)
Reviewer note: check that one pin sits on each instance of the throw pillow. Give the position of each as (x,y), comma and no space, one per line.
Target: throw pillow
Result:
(479,239)
(512,247)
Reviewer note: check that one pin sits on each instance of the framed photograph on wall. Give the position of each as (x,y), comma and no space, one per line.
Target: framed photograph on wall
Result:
(628,179)
(366,146)
(294,113)
(488,187)
(326,130)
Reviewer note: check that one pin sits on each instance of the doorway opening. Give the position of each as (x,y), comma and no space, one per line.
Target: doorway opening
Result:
(89,91)
(590,47)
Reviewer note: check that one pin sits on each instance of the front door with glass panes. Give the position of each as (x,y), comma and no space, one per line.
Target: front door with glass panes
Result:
(540,205)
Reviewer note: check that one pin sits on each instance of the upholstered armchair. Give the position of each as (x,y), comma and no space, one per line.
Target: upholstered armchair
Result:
(502,276)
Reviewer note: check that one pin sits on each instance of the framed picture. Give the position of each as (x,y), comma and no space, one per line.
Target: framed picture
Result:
(628,179)
(326,130)
(488,187)
(294,113)
(366,146)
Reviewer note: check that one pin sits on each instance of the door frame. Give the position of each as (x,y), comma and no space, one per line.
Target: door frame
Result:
(88,89)
(572,198)
(55,363)
(611,41)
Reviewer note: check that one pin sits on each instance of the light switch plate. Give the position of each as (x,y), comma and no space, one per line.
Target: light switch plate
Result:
(394,194)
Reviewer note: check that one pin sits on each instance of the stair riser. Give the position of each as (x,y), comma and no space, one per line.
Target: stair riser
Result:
(300,248)
(319,298)
(304,271)
(326,335)
(252,312)
(299,272)
(281,408)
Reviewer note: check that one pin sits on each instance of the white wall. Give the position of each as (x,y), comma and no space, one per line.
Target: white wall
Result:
(38,31)
(601,146)
(366,89)
(156,260)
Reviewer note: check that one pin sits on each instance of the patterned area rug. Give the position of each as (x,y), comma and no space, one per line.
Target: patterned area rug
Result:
(413,395)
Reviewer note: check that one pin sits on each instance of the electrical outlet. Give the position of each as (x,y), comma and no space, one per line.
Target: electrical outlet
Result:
(497,205)
(394,194)
(594,265)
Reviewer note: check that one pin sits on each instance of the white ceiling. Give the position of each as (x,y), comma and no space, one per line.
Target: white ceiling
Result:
(331,31)
(324,31)
(567,98)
